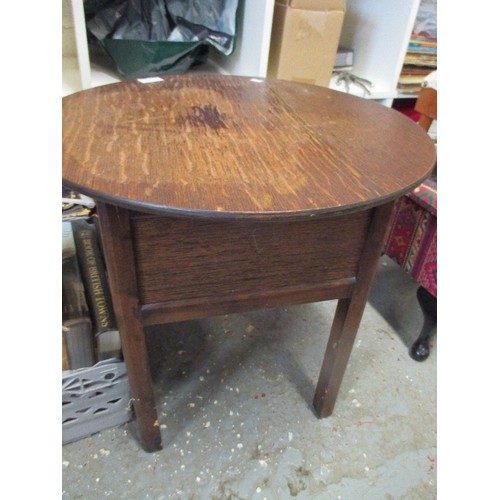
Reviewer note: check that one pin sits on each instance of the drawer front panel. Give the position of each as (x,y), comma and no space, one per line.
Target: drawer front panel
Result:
(179,258)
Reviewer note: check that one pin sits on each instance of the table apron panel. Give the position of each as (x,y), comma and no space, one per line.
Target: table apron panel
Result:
(198,261)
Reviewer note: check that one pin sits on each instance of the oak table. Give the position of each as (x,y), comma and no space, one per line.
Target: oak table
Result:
(218,194)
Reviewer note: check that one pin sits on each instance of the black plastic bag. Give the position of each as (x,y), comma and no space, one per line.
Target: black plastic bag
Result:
(153,37)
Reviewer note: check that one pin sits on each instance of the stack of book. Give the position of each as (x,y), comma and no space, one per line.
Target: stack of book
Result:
(77,336)
(89,328)
(420,61)
(421,56)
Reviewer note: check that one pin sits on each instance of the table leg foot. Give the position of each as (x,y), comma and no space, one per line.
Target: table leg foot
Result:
(148,427)
(420,349)
(141,388)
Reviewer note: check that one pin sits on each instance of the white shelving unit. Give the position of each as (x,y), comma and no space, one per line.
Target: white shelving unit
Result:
(378,32)
(78,71)
(249,57)
(253,38)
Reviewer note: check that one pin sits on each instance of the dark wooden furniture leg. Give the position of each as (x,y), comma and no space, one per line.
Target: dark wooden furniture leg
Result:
(119,254)
(420,349)
(348,316)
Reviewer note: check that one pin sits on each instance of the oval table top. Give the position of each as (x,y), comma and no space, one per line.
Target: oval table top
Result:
(225,146)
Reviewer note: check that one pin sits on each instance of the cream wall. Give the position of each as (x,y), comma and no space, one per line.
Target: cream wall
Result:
(68,36)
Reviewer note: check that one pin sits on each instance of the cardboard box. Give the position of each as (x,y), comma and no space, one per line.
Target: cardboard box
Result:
(304,40)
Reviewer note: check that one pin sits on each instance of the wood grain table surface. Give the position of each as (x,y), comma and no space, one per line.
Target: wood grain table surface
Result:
(235,146)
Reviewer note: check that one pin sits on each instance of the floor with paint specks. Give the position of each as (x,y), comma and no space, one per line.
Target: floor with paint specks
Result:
(234,396)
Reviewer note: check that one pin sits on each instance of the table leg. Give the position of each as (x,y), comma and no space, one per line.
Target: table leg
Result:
(348,316)
(118,251)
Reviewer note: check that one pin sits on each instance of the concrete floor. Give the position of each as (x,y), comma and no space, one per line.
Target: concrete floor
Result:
(234,396)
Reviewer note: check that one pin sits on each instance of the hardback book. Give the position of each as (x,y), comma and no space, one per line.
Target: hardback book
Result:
(76,322)
(93,270)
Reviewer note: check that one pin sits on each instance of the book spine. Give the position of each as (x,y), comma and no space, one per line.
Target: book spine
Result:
(77,326)
(96,284)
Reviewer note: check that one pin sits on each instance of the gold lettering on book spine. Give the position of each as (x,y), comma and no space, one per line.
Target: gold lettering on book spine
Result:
(102,311)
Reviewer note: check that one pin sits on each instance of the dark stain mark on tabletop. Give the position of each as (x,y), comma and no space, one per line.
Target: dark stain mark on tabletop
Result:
(207,115)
